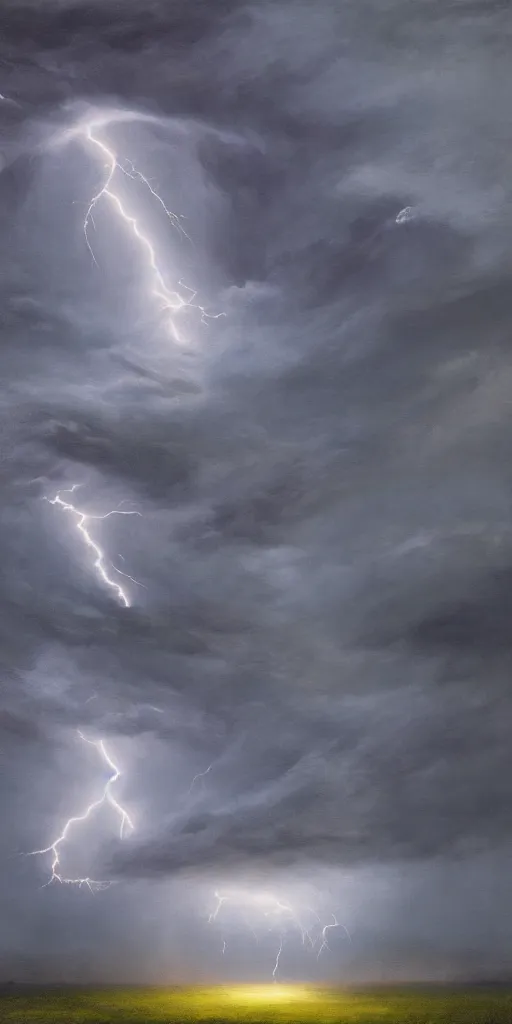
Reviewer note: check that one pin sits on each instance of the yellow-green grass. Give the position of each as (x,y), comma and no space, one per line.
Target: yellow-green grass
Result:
(253,1003)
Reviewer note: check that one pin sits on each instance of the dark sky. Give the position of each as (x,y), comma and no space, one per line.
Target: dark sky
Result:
(323,555)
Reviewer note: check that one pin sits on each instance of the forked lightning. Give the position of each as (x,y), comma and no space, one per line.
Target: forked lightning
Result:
(281,914)
(276,914)
(99,557)
(106,798)
(172,300)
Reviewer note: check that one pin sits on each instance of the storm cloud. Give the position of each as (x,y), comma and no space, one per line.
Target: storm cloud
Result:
(323,548)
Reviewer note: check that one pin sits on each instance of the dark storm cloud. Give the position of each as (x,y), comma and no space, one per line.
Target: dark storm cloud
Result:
(323,478)
(15,727)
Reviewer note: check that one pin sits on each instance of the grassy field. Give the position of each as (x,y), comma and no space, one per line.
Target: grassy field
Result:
(252,1004)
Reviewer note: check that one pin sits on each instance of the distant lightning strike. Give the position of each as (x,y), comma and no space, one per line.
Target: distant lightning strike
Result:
(171,300)
(278,957)
(99,557)
(200,775)
(220,900)
(282,913)
(325,929)
(106,798)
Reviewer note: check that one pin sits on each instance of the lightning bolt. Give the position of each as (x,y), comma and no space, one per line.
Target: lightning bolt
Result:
(171,300)
(325,929)
(99,558)
(107,797)
(200,775)
(220,900)
(278,957)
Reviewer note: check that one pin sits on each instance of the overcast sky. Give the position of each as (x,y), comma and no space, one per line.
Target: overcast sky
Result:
(318,578)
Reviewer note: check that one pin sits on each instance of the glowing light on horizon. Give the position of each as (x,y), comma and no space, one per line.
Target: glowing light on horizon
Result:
(270,993)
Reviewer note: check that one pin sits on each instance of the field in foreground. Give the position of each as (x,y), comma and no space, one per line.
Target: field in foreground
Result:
(252,1004)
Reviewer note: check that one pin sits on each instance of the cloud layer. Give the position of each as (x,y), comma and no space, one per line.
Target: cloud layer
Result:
(322,555)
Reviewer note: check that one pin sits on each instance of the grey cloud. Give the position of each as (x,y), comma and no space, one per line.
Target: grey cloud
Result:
(421,782)
(322,475)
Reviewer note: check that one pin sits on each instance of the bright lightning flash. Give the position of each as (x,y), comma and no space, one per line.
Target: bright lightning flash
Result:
(106,798)
(278,914)
(99,558)
(171,300)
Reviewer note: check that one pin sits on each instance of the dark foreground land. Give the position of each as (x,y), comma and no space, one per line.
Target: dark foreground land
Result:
(253,1004)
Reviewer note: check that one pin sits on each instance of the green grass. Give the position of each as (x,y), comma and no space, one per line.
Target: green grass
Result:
(252,1004)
